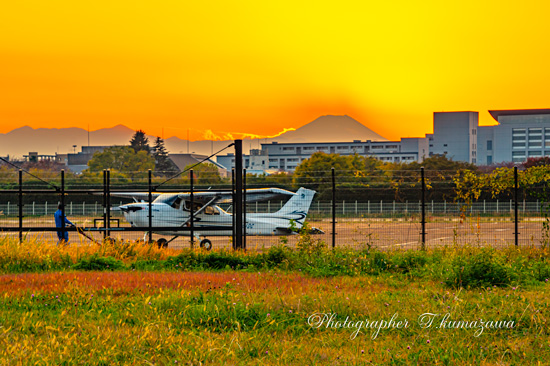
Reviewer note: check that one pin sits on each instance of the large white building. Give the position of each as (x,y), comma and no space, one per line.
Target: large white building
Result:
(520,134)
(455,135)
(287,156)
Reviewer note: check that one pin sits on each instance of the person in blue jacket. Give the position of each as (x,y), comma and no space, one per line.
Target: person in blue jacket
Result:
(62,221)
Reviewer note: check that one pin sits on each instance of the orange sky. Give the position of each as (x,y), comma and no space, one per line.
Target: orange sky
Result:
(259,67)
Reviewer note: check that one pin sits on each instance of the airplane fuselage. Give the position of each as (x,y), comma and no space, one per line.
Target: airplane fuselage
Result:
(163,215)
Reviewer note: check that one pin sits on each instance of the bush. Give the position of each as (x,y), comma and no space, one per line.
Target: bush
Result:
(97,263)
(482,269)
(277,255)
(213,260)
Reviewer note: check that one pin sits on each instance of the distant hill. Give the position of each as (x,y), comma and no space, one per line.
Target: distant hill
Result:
(331,129)
(48,141)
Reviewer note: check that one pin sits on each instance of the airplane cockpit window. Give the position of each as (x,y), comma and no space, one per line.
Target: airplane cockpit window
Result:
(187,204)
(210,210)
(176,204)
(168,199)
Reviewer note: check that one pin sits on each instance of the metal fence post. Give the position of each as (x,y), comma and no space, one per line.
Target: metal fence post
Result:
(20,206)
(62,203)
(192,208)
(108,197)
(516,189)
(233,237)
(244,208)
(238,193)
(423,196)
(104,204)
(333,209)
(150,201)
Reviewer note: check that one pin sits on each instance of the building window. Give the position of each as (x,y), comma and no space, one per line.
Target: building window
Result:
(518,145)
(535,143)
(308,148)
(377,147)
(518,131)
(535,153)
(287,148)
(342,147)
(489,159)
(322,147)
(489,144)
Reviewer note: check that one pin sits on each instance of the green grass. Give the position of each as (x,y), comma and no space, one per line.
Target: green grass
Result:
(129,303)
(262,318)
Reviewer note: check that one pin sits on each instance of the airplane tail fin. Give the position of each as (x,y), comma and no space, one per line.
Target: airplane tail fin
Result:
(299,203)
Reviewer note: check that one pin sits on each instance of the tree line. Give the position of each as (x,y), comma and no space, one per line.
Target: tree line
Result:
(361,178)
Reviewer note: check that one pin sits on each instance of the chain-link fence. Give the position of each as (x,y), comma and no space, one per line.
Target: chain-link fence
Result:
(383,209)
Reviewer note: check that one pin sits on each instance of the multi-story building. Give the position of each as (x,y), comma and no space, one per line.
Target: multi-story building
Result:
(455,135)
(287,156)
(520,134)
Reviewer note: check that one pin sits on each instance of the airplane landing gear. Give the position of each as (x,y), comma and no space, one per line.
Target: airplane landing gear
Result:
(206,244)
(162,243)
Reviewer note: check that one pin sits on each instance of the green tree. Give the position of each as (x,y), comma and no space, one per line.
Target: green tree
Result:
(206,173)
(278,180)
(163,164)
(352,172)
(140,142)
(122,159)
(531,162)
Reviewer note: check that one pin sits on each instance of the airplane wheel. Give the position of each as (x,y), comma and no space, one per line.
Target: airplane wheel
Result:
(162,243)
(206,244)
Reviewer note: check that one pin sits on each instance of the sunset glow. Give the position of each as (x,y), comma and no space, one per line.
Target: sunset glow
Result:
(250,68)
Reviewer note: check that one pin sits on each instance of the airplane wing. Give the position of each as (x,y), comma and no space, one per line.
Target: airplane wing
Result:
(252,195)
(136,196)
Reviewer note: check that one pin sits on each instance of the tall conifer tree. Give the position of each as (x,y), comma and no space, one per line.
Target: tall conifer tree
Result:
(140,142)
(163,163)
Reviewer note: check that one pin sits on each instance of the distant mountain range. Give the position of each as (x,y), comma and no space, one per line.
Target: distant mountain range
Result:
(48,141)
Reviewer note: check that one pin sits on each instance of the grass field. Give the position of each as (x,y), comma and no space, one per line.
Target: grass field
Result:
(128,303)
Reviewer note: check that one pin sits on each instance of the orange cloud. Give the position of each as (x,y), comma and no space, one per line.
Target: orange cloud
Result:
(221,136)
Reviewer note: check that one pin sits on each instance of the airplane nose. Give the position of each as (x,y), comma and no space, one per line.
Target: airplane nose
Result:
(127,209)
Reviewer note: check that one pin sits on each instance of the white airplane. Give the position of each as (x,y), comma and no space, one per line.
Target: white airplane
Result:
(173,210)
